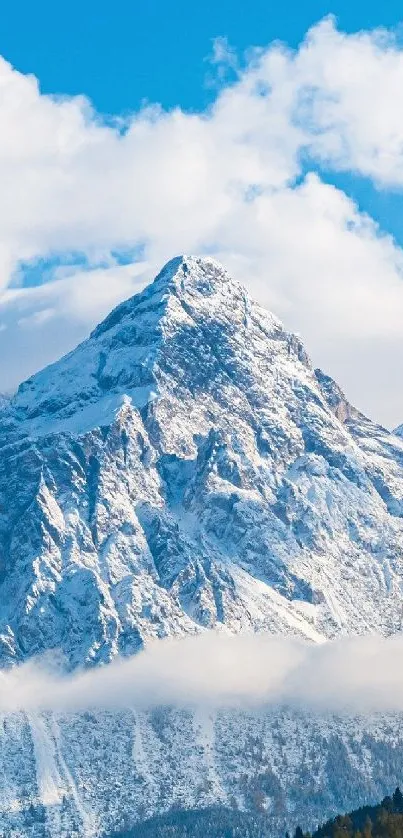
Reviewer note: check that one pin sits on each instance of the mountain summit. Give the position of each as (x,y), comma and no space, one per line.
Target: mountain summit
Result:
(186,467)
(126,351)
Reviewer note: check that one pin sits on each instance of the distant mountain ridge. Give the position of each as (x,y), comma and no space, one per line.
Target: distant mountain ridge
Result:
(186,468)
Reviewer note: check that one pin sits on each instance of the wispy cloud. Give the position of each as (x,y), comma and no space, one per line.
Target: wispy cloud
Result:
(355,675)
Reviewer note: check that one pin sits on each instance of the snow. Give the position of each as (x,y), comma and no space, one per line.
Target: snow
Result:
(184,468)
(204,726)
(48,778)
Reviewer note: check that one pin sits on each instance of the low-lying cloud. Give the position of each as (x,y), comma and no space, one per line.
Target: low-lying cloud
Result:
(350,675)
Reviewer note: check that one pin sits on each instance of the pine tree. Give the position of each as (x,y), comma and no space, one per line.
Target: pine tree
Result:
(367,831)
(398,800)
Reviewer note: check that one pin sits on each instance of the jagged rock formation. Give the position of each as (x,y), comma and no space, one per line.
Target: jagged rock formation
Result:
(183,468)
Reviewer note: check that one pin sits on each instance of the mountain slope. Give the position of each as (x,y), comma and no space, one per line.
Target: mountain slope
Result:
(97,773)
(185,467)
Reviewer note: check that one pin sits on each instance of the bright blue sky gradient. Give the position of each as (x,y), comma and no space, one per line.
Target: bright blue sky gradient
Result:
(120,53)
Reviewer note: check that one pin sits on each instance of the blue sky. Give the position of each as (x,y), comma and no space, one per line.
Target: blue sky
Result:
(124,53)
(287,166)
(120,53)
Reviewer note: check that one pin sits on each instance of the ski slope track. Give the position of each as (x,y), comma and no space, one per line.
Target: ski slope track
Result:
(182,469)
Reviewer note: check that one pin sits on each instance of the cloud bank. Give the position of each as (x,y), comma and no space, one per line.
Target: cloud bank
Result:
(240,181)
(350,675)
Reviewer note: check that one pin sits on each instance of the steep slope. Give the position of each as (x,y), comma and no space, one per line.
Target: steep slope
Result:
(90,775)
(185,467)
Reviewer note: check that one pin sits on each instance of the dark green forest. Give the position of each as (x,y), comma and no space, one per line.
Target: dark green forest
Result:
(217,822)
(384,820)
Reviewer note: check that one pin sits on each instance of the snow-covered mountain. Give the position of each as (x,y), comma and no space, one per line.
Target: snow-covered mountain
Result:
(183,468)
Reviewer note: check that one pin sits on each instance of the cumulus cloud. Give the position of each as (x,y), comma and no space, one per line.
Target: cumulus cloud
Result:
(348,91)
(237,181)
(350,675)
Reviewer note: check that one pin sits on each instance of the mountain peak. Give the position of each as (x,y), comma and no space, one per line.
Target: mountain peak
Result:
(201,273)
(200,278)
(191,307)
(202,283)
(189,447)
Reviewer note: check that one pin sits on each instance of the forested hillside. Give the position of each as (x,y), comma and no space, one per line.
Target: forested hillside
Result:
(217,822)
(382,821)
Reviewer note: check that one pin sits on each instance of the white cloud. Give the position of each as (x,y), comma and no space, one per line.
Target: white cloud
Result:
(350,92)
(40,324)
(226,182)
(350,675)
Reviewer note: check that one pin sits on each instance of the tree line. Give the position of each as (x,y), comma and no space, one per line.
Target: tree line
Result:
(382,821)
